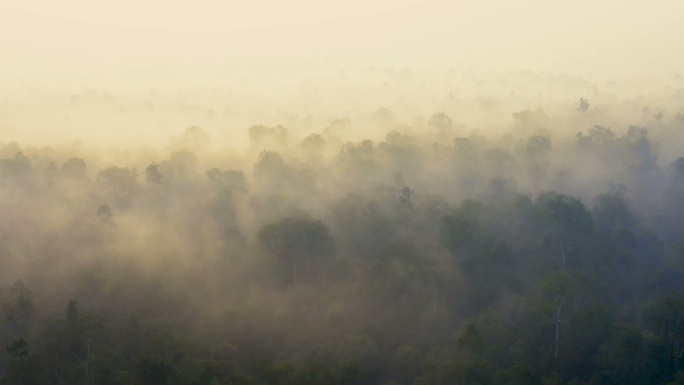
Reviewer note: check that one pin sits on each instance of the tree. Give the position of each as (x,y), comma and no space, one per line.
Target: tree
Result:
(538,145)
(105,213)
(665,317)
(120,181)
(383,116)
(23,368)
(70,344)
(679,118)
(631,357)
(364,351)
(17,310)
(337,127)
(442,123)
(678,165)
(233,181)
(313,141)
(560,286)
(193,138)
(16,167)
(583,105)
(568,222)
(152,174)
(635,133)
(462,232)
(363,228)
(601,135)
(500,160)
(51,172)
(303,245)
(611,212)
(258,133)
(406,197)
(160,360)
(270,165)
(75,168)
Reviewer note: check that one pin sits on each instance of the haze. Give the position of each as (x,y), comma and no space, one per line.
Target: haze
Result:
(352,193)
(581,36)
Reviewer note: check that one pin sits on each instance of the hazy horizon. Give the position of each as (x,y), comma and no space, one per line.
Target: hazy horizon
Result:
(369,192)
(103,73)
(93,42)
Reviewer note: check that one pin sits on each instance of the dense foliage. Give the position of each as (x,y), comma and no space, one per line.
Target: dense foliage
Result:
(432,258)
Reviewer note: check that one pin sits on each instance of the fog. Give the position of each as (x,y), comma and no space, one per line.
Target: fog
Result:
(406,192)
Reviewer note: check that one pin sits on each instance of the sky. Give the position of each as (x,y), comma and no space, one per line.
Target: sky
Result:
(264,50)
(72,36)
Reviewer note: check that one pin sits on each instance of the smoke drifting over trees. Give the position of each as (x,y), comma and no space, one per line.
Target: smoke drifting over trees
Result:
(392,192)
(496,239)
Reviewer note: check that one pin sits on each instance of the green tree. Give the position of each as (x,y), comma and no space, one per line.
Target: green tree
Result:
(567,223)
(441,123)
(152,174)
(665,318)
(303,245)
(119,181)
(75,168)
(20,166)
(538,145)
(23,368)
(17,310)
(583,105)
(631,357)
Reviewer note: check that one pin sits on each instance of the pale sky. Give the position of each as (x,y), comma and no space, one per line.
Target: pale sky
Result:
(81,35)
(53,48)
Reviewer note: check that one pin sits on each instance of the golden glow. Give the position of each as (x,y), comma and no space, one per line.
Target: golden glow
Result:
(530,33)
(267,52)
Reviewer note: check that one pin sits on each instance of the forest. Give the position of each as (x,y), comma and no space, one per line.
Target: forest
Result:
(358,192)
(367,249)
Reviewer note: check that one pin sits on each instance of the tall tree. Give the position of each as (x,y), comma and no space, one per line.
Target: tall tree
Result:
(304,245)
